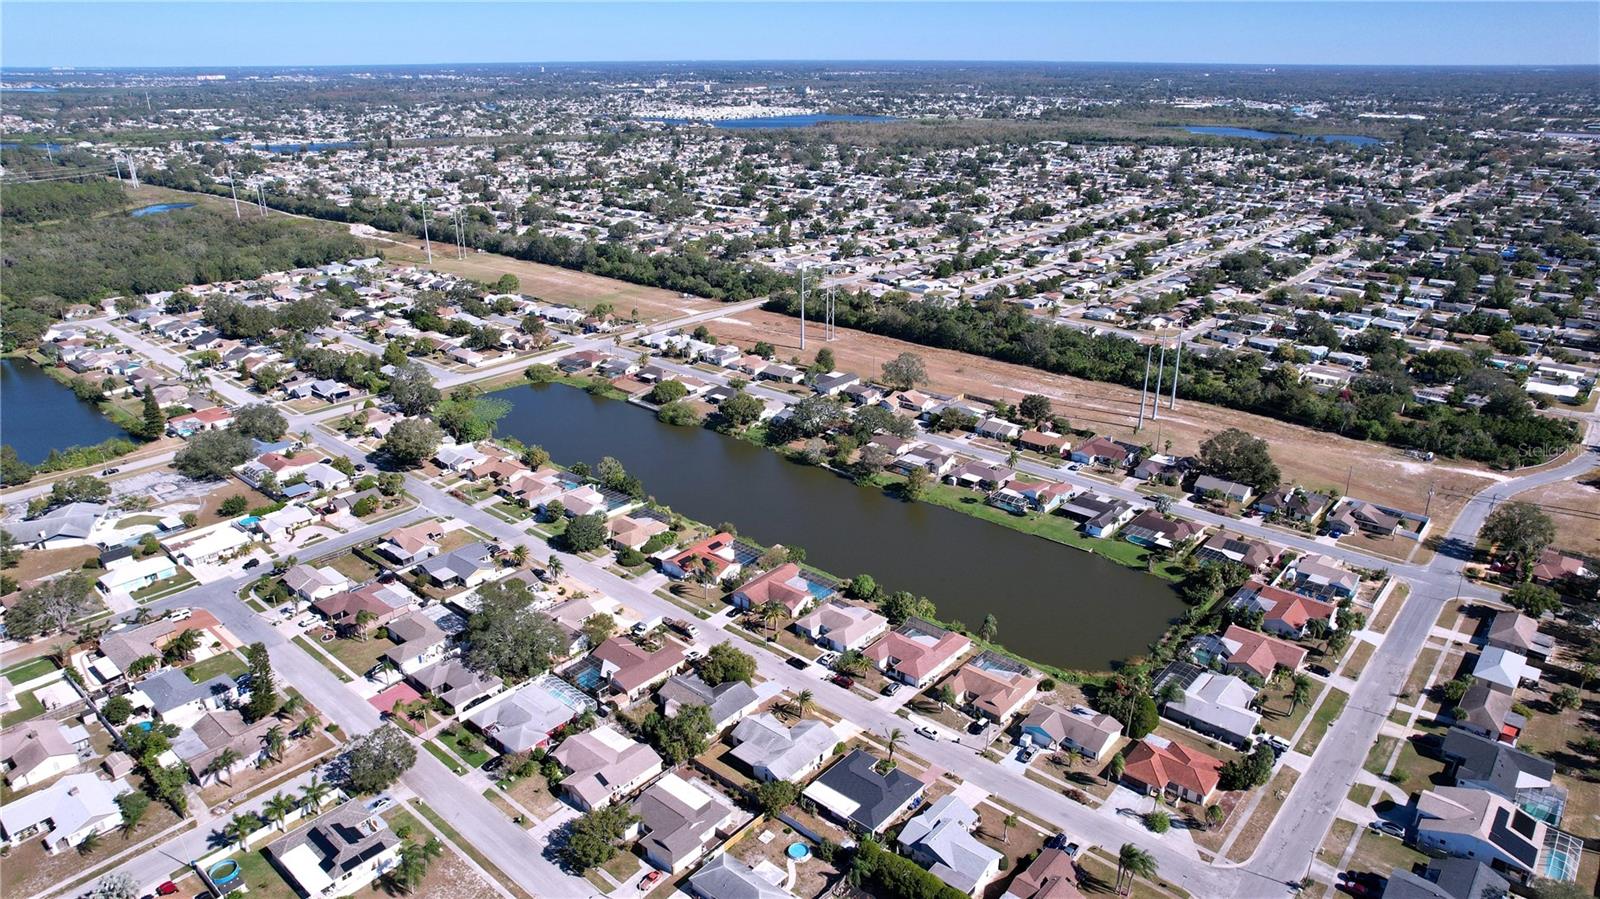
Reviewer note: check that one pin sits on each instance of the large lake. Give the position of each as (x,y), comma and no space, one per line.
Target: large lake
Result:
(39,413)
(1055,604)
(1359,140)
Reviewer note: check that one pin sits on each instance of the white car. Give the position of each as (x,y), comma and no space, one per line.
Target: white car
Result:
(926,731)
(179,614)
(827,659)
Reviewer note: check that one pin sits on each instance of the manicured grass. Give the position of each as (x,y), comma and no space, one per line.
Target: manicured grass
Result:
(1414,772)
(1378,755)
(472,852)
(1359,656)
(1391,608)
(456,738)
(351,566)
(321,657)
(1361,794)
(444,756)
(161,589)
(27,671)
(357,654)
(1321,719)
(221,663)
(29,707)
(1381,853)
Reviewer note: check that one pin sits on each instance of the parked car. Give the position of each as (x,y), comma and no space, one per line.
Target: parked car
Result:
(797,662)
(1025,754)
(827,659)
(1319,670)
(844,680)
(109,472)
(1388,827)
(693,655)
(253,563)
(926,731)
(891,688)
(180,614)
(649,880)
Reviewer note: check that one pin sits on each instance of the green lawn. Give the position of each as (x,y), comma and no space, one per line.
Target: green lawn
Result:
(454,739)
(261,878)
(359,655)
(29,708)
(162,589)
(27,671)
(221,663)
(444,756)
(321,657)
(1321,719)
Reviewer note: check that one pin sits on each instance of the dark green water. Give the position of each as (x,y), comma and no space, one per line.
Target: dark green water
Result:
(1055,604)
(39,413)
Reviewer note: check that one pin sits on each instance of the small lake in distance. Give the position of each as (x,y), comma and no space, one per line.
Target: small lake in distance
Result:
(1056,604)
(1359,140)
(158,208)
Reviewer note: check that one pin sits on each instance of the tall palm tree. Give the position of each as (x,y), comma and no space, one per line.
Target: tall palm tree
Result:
(555,566)
(803,703)
(222,763)
(308,726)
(1133,862)
(1006,823)
(240,827)
(1300,693)
(519,554)
(771,613)
(895,738)
(278,808)
(272,741)
(312,794)
(290,706)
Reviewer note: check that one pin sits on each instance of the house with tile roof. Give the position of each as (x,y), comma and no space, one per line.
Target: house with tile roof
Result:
(993,686)
(940,839)
(1077,729)
(785,585)
(1156,765)
(841,626)
(603,765)
(1051,875)
(1284,612)
(1246,651)
(917,652)
(715,553)
(632,669)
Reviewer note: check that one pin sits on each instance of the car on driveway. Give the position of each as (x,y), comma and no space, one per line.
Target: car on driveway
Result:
(926,731)
(827,659)
(1319,671)
(891,688)
(649,880)
(1025,754)
(1388,827)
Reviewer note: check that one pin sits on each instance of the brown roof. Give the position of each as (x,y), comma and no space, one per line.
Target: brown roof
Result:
(1157,766)
(1260,653)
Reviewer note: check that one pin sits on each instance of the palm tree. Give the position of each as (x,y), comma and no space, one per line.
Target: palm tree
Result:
(1006,824)
(308,726)
(222,763)
(803,703)
(181,648)
(1133,862)
(895,737)
(364,619)
(293,704)
(519,554)
(89,843)
(1300,693)
(312,794)
(555,566)
(1115,769)
(278,808)
(240,827)
(771,613)
(273,741)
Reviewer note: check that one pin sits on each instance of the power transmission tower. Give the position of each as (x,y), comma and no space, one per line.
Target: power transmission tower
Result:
(802,307)
(427,243)
(1143,391)
(233,185)
(1155,406)
(1177,367)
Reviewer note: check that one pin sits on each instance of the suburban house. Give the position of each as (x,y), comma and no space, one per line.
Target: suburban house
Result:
(1529,780)
(785,585)
(1447,878)
(1354,515)
(467,566)
(940,839)
(311,584)
(1225,547)
(411,544)
(725,877)
(1504,670)
(1101,515)
(853,792)
(35,751)
(65,813)
(1217,705)
(1051,875)
(1157,765)
(1513,631)
(128,643)
(339,853)
(993,686)
(529,717)
(1324,578)
(1470,823)
(1151,528)
(714,553)
(602,765)
(373,605)
(1104,451)
(632,669)
(215,733)
(178,701)
(917,652)
(1486,711)
(1079,729)
(1044,442)
(773,751)
(1553,568)
(978,475)
(421,642)
(455,684)
(840,626)
(1232,491)
(1293,503)
(679,818)
(726,701)
(1246,651)
(628,532)
(1283,612)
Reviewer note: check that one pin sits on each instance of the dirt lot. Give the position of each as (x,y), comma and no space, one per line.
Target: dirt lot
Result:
(1313,458)
(1572,504)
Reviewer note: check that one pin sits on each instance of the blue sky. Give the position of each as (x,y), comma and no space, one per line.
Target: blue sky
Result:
(1299,31)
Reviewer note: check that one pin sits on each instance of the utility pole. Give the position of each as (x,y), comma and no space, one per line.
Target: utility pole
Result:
(233,185)
(1177,367)
(261,199)
(1161,367)
(1348,475)
(133,172)
(802,307)
(1143,391)
(427,243)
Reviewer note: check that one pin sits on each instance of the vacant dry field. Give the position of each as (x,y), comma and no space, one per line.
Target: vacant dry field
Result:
(1313,458)
(1574,506)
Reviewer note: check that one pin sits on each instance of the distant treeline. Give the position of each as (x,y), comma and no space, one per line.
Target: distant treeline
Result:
(1507,432)
(685,270)
(51,265)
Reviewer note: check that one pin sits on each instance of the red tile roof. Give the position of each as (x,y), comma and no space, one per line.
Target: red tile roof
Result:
(1157,766)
